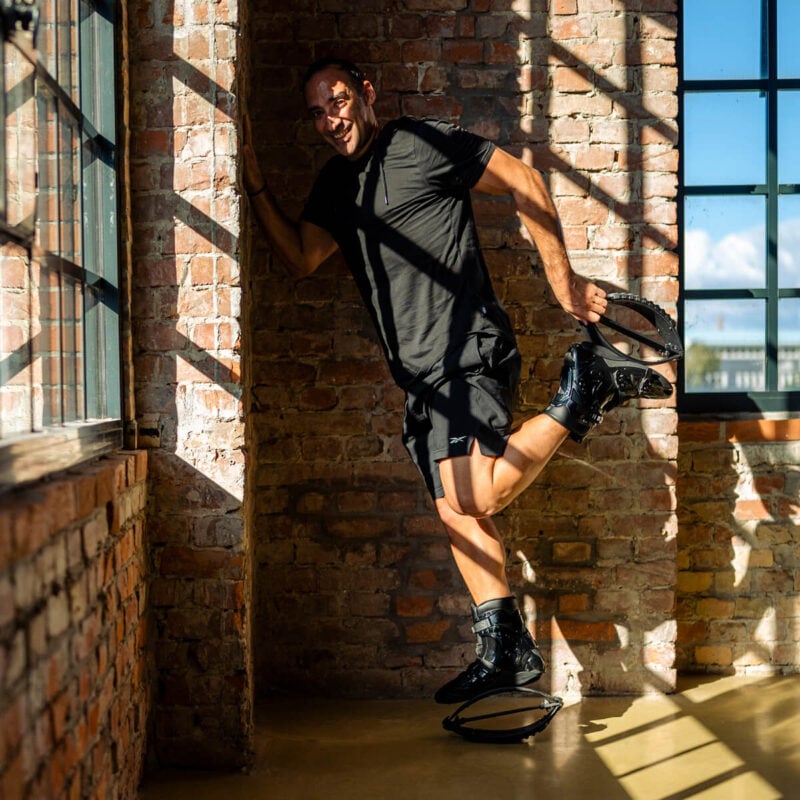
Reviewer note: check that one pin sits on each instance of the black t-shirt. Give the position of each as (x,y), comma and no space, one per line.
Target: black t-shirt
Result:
(403,219)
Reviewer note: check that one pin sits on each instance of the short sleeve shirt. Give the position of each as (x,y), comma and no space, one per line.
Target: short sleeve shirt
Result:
(403,219)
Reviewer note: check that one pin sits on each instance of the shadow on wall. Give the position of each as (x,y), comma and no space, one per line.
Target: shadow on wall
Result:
(355,588)
(188,385)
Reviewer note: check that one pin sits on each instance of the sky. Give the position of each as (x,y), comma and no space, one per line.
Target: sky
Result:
(725,241)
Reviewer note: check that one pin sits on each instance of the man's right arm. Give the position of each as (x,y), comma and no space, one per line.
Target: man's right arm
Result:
(302,245)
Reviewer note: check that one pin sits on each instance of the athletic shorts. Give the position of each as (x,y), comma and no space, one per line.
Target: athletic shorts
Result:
(468,397)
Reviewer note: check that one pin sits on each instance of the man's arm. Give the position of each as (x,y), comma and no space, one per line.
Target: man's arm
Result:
(302,245)
(505,174)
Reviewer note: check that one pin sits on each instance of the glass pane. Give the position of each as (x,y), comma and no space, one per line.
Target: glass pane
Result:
(15,342)
(789,344)
(789,241)
(68,47)
(725,141)
(47,206)
(788,51)
(47,345)
(69,177)
(724,345)
(722,39)
(46,36)
(72,349)
(788,145)
(724,243)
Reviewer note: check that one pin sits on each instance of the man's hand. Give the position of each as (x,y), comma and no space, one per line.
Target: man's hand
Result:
(581,298)
(252,176)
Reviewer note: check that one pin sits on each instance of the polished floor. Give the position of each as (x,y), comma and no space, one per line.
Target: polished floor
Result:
(716,739)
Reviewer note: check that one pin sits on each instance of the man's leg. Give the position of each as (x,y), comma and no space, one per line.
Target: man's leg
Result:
(478,552)
(507,654)
(481,485)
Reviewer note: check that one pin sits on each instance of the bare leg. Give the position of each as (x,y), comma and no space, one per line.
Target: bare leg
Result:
(479,486)
(478,552)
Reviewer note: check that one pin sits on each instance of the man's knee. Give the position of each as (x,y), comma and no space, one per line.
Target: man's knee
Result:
(461,502)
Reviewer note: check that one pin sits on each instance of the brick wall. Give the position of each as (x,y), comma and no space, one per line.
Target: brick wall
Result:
(739,547)
(186,345)
(355,588)
(74,667)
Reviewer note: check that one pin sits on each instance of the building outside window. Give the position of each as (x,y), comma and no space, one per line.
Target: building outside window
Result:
(740,205)
(59,320)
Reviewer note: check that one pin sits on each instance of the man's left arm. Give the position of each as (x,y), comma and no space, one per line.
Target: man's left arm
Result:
(505,174)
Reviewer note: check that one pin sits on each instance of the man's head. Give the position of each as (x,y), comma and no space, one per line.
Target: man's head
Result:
(340,100)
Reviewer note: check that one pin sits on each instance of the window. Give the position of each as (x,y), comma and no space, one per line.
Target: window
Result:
(59,324)
(740,205)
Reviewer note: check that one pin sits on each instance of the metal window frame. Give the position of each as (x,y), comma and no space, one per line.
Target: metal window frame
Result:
(29,457)
(770,400)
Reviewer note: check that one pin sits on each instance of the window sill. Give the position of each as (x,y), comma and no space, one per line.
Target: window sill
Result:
(32,456)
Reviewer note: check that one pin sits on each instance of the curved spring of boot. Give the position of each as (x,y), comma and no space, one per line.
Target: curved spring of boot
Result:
(463,726)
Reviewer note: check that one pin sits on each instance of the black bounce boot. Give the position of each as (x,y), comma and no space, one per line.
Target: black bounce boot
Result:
(595,380)
(507,655)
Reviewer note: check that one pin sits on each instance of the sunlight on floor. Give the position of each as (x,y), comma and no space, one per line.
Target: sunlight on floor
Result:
(657,750)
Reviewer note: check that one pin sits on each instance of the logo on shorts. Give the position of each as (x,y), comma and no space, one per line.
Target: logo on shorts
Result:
(457,439)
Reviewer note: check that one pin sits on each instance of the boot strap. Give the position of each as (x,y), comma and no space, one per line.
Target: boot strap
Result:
(482,625)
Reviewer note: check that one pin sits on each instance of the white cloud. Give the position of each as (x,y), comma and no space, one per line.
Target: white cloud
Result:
(738,260)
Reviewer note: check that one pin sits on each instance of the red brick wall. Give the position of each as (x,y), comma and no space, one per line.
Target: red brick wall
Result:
(75,683)
(355,588)
(186,344)
(739,547)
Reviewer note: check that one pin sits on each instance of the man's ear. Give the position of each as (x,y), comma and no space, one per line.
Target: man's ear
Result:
(369,93)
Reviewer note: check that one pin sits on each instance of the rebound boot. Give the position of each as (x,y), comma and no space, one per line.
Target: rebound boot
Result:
(507,654)
(595,380)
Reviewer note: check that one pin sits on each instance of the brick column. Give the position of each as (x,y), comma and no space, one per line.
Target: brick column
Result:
(187,333)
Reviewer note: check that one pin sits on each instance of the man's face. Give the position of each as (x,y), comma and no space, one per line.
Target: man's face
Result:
(344,118)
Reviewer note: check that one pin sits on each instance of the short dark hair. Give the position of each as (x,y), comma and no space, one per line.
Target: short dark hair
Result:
(354,74)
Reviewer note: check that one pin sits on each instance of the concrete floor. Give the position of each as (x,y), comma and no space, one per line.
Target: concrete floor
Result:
(716,739)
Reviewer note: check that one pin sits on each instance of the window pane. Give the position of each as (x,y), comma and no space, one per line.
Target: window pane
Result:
(47,205)
(72,349)
(68,47)
(789,241)
(47,35)
(724,345)
(69,177)
(722,39)
(788,125)
(789,344)
(724,242)
(788,51)
(47,345)
(725,139)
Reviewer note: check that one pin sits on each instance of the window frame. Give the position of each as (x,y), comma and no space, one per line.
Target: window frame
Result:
(771,399)
(48,448)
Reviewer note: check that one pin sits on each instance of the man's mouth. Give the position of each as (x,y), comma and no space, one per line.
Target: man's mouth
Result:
(340,134)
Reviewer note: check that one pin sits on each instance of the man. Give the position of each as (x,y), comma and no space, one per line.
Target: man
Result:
(396,201)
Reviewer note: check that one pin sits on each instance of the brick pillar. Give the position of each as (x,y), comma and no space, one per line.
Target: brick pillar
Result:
(186,329)
(356,591)
(739,555)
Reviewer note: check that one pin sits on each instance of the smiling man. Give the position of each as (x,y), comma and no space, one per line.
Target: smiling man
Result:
(396,201)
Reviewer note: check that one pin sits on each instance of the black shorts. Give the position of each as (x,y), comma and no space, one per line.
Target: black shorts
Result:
(468,397)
